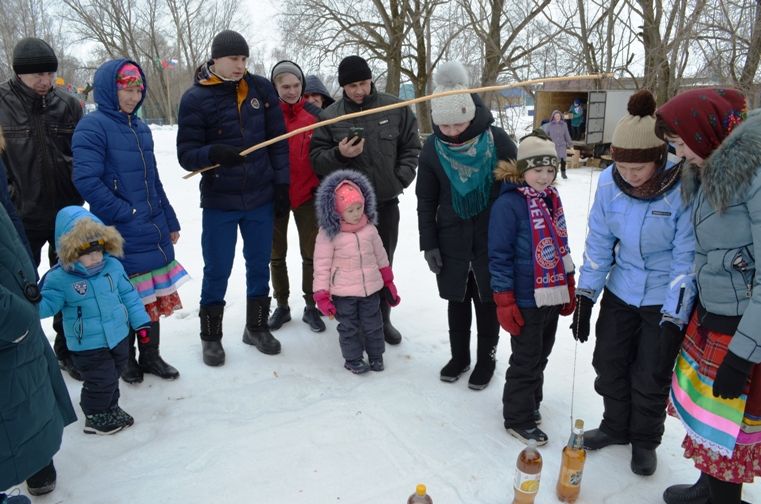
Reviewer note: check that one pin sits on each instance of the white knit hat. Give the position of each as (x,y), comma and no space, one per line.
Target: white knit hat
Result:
(454,109)
(536,149)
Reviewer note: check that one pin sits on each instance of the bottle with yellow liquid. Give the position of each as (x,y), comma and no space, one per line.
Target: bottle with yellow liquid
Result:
(420,496)
(572,466)
(528,470)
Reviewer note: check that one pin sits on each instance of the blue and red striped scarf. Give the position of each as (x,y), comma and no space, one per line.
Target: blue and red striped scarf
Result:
(549,240)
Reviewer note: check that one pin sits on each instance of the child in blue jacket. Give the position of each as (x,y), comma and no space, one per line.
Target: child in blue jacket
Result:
(99,305)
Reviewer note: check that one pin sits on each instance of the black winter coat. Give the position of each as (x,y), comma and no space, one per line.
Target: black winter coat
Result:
(38,131)
(463,243)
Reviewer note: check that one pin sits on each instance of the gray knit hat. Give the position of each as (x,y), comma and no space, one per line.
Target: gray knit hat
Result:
(228,43)
(454,109)
(286,66)
(32,55)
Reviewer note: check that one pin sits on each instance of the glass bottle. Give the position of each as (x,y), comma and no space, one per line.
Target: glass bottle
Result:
(420,496)
(528,470)
(572,465)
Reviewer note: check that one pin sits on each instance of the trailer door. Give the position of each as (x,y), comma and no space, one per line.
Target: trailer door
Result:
(595,117)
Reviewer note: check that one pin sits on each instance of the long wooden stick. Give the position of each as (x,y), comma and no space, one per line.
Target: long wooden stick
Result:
(401,104)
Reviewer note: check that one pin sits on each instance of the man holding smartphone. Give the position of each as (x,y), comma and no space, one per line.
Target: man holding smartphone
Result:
(383,146)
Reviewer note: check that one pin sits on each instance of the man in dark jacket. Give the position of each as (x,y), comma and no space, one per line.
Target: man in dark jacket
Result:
(224,112)
(38,121)
(383,146)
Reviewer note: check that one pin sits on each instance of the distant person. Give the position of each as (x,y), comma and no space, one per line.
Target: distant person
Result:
(578,117)
(557,129)
(38,154)
(351,268)
(455,191)
(226,111)
(288,80)
(384,147)
(115,170)
(316,93)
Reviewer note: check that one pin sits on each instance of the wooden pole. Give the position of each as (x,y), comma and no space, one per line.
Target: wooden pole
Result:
(401,104)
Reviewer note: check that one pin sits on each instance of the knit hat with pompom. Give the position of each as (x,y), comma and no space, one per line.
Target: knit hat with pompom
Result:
(634,139)
(457,108)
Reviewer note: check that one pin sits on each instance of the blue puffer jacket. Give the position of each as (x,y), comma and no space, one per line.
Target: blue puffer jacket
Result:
(98,310)
(241,113)
(115,171)
(641,250)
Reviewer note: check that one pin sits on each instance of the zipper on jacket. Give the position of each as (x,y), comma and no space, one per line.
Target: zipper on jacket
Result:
(681,298)
(110,281)
(361,267)
(79,325)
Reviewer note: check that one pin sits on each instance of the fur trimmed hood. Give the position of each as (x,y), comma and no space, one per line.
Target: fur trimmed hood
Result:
(728,173)
(75,226)
(325,200)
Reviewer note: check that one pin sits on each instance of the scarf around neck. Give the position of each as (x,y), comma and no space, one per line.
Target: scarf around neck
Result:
(658,185)
(549,240)
(470,170)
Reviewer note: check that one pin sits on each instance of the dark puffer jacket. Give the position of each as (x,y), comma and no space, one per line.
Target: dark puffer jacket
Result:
(38,132)
(242,114)
(34,401)
(115,170)
(462,242)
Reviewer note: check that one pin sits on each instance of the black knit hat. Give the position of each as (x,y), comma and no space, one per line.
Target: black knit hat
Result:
(229,43)
(32,55)
(353,69)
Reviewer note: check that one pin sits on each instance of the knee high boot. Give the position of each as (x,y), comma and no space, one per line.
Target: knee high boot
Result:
(211,334)
(488,337)
(132,372)
(390,333)
(257,331)
(150,360)
(459,343)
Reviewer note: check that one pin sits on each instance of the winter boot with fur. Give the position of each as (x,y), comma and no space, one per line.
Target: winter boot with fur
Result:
(485,362)
(211,334)
(459,343)
(257,331)
(390,333)
(150,360)
(132,373)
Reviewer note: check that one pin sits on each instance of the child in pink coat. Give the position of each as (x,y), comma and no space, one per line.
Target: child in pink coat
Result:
(351,268)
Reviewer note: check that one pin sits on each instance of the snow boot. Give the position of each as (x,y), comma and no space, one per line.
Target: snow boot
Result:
(43,481)
(14,499)
(132,373)
(357,366)
(596,439)
(459,344)
(376,364)
(312,318)
(485,362)
(390,333)
(105,423)
(644,460)
(697,493)
(211,334)
(528,433)
(150,360)
(257,331)
(280,316)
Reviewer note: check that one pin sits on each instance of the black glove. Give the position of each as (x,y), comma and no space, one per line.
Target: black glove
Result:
(225,155)
(282,204)
(433,258)
(731,377)
(582,315)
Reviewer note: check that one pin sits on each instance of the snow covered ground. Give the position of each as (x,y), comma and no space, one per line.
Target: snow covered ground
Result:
(298,428)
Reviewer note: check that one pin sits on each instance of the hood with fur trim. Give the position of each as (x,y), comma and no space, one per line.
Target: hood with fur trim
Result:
(75,226)
(325,200)
(728,173)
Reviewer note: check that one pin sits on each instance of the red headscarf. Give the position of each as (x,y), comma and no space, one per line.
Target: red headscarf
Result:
(703,118)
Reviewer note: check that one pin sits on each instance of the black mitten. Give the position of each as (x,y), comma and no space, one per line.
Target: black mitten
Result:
(731,376)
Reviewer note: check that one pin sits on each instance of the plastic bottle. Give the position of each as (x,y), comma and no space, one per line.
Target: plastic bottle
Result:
(420,496)
(528,470)
(572,466)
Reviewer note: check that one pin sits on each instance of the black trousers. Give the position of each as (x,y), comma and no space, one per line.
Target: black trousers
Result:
(460,316)
(633,366)
(388,226)
(100,369)
(525,373)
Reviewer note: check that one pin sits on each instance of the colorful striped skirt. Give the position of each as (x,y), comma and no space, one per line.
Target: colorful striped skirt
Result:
(723,435)
(158,289)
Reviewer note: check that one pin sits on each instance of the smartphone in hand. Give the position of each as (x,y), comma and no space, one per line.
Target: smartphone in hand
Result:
(356,132)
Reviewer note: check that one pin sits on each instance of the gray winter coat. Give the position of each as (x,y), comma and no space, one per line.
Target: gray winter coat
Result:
(391,148)
(727,220)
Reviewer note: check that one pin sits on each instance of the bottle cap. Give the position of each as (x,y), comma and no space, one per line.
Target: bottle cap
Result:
(579,423)
(531,443)
(420,489)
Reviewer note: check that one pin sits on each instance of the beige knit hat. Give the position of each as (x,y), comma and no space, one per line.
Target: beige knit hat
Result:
(634,138)
(454,109)
(536,149)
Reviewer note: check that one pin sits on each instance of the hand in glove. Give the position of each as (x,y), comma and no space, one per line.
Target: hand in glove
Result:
(390,293)
(731,377)
(569,307)
(324,304)
(282,204)
(508,313)
(225,155)
(582,316)
(143,335)
(433,258)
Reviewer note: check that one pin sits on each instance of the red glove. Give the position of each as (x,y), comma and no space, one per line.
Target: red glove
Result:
(324,304)
(392,297)
(569,307)
(143,335)
(508,313)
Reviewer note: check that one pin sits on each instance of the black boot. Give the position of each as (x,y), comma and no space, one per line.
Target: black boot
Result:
(312,318)
(150,360)
(280,316)
(390,334)
(459,343)
(485,363)
(562,168)
(644,460)
(596,439)
(257,331)
(211,334)
(724,492)
(43,481)
(132,372)
(697,493)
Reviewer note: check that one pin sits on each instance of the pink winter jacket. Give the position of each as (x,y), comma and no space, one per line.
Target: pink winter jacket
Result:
(349,264)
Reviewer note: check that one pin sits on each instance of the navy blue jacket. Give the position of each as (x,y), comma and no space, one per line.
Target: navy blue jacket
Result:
(115,171)
(240,113)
